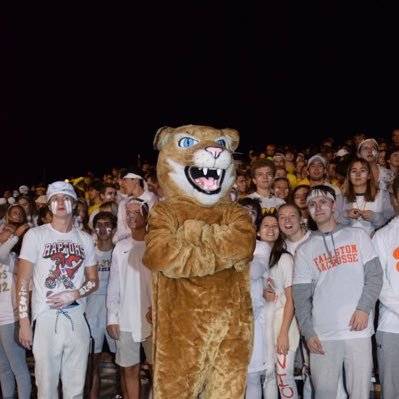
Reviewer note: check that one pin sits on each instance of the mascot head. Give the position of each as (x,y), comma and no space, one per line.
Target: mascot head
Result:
(196,161)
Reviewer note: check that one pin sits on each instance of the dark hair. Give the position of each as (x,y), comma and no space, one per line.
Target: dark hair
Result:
(279,246)
(261,163)
(16,205)
(96,184)
(41,214)
(391,150)
(292,205)
(105,215)
(255,204)
(371,187)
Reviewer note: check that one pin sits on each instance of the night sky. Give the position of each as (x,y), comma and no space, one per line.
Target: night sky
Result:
(69,76)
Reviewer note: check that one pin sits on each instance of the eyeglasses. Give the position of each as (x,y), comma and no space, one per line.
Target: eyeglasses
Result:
(131,214)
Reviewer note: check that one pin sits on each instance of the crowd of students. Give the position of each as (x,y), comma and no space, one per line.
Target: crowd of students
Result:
(70,256)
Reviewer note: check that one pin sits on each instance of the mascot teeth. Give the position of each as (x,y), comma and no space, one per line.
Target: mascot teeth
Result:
(206,180)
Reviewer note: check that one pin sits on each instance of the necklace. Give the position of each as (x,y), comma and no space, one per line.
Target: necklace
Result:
(360,202)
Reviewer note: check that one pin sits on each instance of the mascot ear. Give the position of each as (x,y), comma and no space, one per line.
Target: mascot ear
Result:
(235,137)
(161,137)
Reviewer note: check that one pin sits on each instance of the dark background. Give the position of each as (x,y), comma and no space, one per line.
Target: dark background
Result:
(69,76)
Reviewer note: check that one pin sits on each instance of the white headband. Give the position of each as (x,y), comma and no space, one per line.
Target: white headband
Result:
(143,204)
(319,193)
(131,175)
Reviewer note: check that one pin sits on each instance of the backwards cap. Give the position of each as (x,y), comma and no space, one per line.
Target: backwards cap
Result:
(61,187)
(317,157)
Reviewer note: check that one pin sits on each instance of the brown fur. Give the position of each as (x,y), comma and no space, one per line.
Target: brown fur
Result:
(199,246)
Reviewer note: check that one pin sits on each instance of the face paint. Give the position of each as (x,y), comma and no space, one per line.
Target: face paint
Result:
(107,229)
(375,153)
(54,206)
(23,300)
(324,206)
(87,287)
(68,205)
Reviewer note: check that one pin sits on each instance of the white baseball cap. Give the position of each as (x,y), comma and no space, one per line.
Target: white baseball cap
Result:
(42,199)
(342,152)
(24,189)
(317,157)
(61,187)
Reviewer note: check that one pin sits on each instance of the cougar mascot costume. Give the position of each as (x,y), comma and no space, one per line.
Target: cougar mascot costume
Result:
(199,245)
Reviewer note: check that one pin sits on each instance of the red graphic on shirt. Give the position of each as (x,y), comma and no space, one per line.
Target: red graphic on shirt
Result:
(67,258)
(396,256)
(341,255)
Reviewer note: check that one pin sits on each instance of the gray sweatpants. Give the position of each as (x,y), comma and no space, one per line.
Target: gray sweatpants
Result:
(356,357)
(60,348)
(388,363)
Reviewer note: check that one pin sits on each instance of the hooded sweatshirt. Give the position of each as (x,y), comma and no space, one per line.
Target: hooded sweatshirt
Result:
(335,274)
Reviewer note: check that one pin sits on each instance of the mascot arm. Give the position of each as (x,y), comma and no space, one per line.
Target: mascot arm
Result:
(196,248)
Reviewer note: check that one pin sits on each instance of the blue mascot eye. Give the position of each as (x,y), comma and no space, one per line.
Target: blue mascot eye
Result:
(221,142)
(187,142)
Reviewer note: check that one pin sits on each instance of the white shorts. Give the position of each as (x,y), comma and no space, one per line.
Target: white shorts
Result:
(98,334)
(96,317)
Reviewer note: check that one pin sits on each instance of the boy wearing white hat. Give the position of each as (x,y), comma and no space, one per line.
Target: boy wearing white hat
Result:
(60,260)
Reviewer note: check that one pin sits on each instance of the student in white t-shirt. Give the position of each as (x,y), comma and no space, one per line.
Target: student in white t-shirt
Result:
(283,337)
(60,261)
(263,172)
(387,336)
(129,298)
(258,267)
(337,281)
(13,367)
(104,224)
(289,219)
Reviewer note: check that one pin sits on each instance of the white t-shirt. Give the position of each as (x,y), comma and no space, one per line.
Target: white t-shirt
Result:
(8,279)
(258,267)
(381,206)
(281,276)
(267,204)
(59,260)
(293,245)
(129,289)
(387,247)
(338,285)
(104,266)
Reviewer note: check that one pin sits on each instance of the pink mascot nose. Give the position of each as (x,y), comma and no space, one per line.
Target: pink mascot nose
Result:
(215,151)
